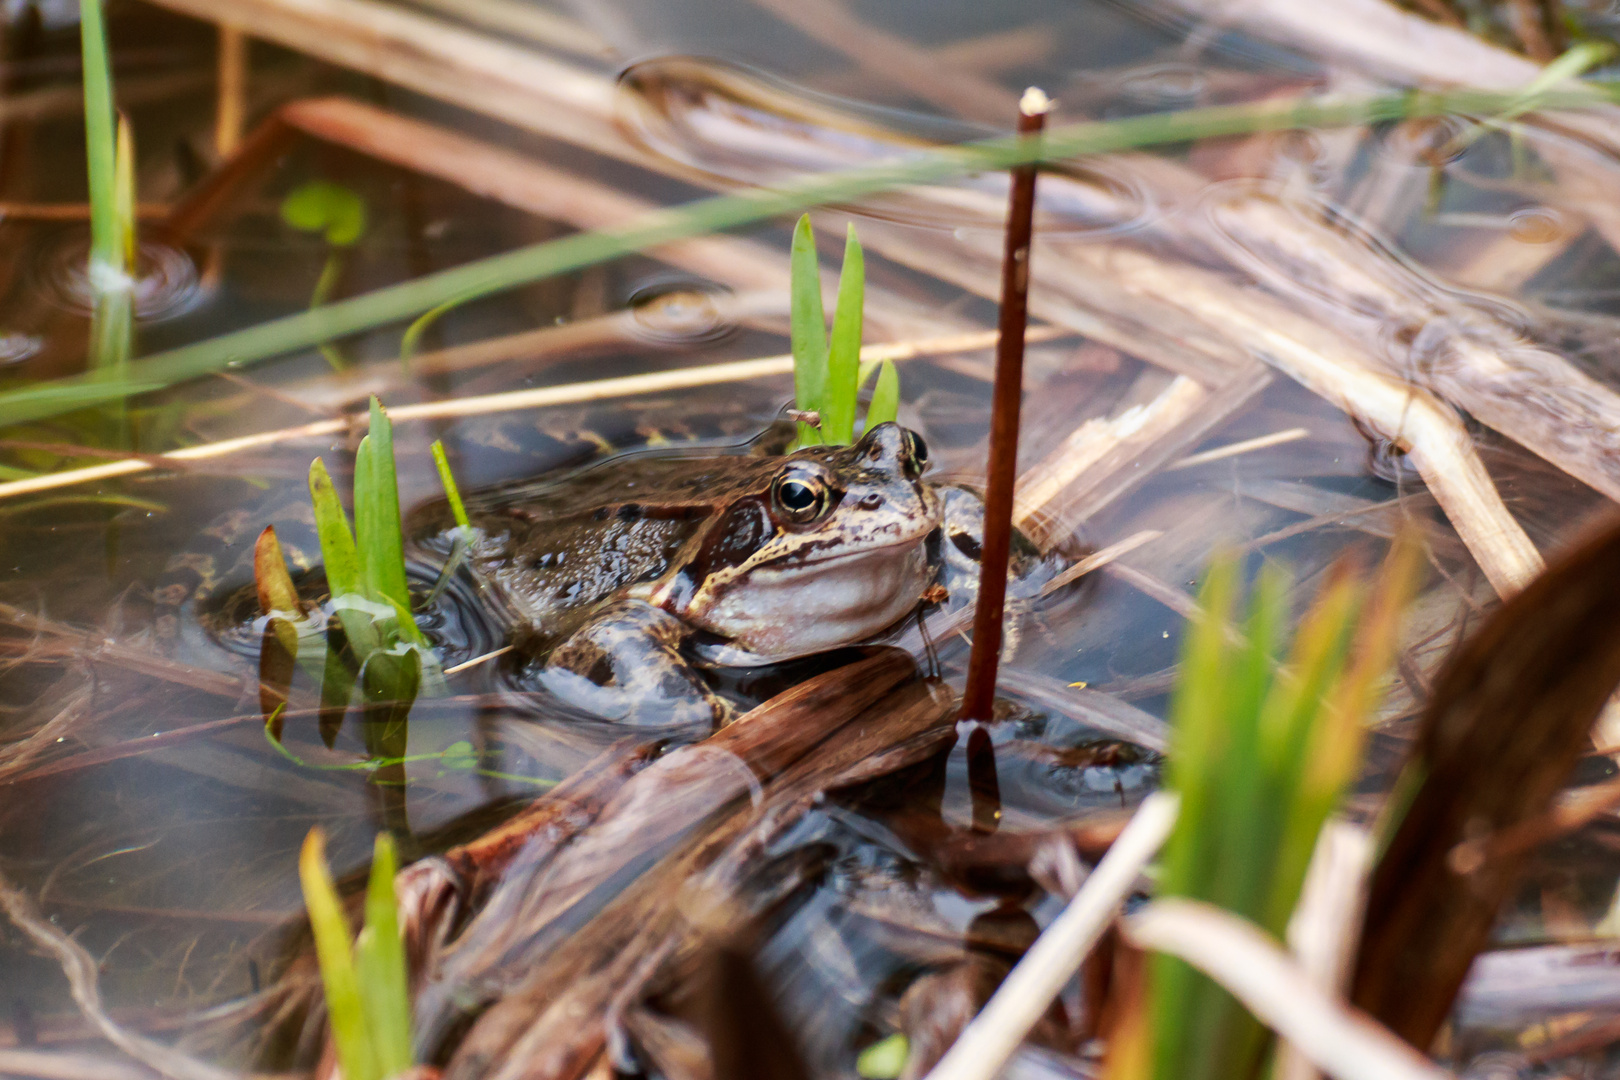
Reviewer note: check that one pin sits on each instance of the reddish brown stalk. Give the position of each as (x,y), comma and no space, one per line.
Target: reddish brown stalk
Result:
(979,696)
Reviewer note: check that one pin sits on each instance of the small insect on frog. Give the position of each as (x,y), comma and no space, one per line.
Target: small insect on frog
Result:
(631,576)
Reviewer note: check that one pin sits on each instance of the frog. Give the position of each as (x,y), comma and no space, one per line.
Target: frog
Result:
(627,580)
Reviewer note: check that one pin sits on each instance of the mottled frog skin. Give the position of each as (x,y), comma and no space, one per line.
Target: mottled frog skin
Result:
(630,576)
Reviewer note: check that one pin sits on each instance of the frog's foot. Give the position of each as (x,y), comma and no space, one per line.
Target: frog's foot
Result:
(625,664)
(962,526)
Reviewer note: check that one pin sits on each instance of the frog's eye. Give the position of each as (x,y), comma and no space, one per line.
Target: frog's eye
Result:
(801,498)
(919,450)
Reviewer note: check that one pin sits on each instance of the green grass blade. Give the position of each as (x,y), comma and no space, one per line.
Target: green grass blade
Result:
(344,1006)
(381,964)
(451,492)
(100,137)
(376,515)
(885,405)
(124,193)
(520,267)
(338,551)
(809,327)
(844,350)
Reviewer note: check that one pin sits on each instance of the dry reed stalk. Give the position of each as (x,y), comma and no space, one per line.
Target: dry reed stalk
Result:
(1243,446)
(32,211)
(894,59)
(431,56)
(990,1040)
(514,400)
(69,1065)
(985,55)
(1101,558)
(1102,459)
(523,183)
(327,396)
(1326,925)
(1338,1039)
(528,21)
(230,109)
(1378,38)
(1336,370)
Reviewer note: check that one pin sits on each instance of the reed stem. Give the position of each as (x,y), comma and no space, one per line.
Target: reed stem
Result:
(978,698)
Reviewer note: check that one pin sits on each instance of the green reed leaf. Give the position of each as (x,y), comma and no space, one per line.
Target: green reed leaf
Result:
(100,137)
(885,405)
(338,552)
(345,1007)
(380,962)
(808,324)
(377,527)
(844,349)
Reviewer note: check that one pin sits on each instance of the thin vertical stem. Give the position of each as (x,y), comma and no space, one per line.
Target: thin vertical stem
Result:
(100,138)
(979,695)
(230,109)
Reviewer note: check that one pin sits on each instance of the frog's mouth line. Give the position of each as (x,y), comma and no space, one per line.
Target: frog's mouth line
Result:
(787,562)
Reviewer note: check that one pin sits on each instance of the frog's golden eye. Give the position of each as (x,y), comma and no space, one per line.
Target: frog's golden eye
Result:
(800,498)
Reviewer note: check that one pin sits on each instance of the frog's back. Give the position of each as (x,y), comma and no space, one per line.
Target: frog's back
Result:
(554,549)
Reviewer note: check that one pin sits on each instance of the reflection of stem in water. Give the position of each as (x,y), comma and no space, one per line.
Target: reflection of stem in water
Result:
(331,271)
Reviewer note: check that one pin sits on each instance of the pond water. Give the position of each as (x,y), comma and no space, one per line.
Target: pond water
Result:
(141,804)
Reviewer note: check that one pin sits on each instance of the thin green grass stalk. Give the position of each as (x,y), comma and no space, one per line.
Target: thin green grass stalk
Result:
(536,262)
(345,1008)
(112,288)
(464,534)
(885,405)
(844,348)
(100,138)
(809,328)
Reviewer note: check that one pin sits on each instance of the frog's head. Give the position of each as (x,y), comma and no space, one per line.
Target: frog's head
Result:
(831,550)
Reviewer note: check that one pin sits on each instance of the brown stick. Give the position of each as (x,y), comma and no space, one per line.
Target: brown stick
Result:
(979,696)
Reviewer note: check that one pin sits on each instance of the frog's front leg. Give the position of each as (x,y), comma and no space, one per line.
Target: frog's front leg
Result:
(625,664)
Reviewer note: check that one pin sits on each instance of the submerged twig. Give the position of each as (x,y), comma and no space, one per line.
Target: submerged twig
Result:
(81,970)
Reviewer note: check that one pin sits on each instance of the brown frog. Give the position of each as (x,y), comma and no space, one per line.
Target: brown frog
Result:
(630,576)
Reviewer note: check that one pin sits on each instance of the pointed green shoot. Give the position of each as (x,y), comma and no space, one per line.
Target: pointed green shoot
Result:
(809,328)
(844,350)
(344,1005)
(377,521)
(276,590)
(337,542)
(380,959)
(885,406)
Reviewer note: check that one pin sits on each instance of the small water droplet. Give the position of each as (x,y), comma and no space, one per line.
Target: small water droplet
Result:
(1537,225)
(15,348)
(678,313)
